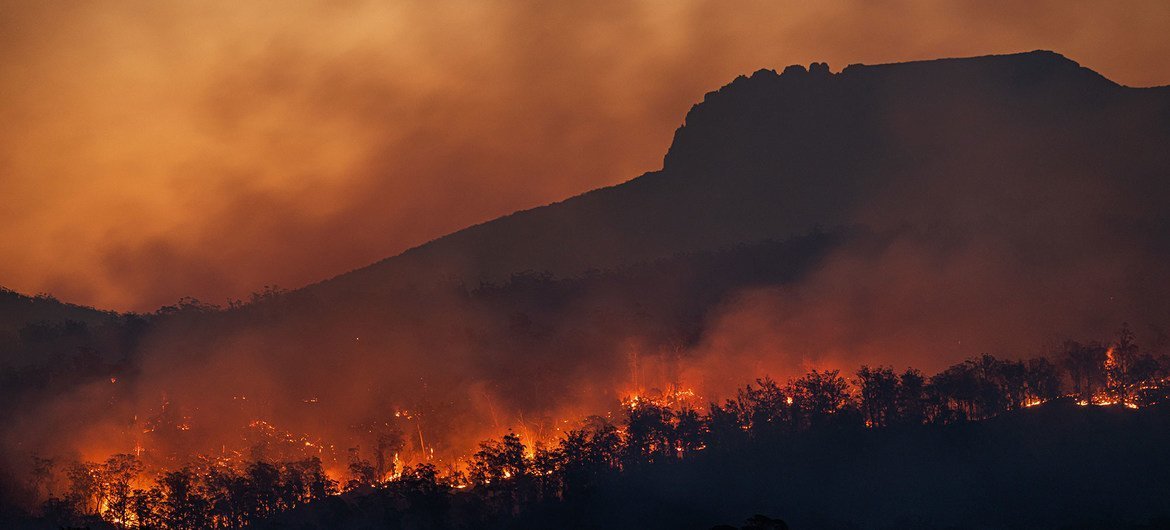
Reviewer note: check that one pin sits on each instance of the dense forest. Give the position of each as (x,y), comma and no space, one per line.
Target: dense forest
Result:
(1114,389)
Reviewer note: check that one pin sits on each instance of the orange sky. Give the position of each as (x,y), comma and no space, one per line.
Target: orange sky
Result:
(152,150)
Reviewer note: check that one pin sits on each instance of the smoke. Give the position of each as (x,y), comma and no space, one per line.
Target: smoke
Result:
(158,150)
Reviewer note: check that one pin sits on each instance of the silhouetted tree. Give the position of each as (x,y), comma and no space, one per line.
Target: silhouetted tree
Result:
(182,508)
(689,430)
(1012,379)
(1043,379)
(575,464)
(361,473)
(388,442)
(911,398)
(972,390)
(766,407)
(546,467)
(304,481)
(118,472)
(584,454)
(227,496)
(498,460)
(44,476)
(819,396)
(1085,366)
(879,395)
(728,424)
(648,431)
(61,512)
(1119,362)
(263,495)
(605,444)
(991,389)
(426,495)
(86,487)
(146,506)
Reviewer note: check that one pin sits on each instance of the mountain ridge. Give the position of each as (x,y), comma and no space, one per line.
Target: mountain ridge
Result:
(610,235)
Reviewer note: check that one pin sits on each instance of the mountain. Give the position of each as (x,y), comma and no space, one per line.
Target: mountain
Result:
(42,319)
(18,310)
(772,155)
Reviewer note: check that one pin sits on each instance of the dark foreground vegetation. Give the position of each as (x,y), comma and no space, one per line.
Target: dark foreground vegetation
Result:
(1078,441)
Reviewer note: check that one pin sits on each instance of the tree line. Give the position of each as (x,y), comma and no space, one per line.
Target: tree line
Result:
(506,476)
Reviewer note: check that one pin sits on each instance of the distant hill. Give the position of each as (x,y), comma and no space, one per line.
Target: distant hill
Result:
(32,318)
(18,310)
(772,155)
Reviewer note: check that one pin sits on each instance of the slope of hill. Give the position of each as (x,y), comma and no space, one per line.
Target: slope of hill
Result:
(18,310)
(773,155)
(27,320)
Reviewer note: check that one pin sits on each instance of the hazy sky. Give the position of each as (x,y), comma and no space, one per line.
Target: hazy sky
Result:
(152,150)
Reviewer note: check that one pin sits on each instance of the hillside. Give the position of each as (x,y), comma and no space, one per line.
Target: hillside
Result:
(772,155)
(28,320)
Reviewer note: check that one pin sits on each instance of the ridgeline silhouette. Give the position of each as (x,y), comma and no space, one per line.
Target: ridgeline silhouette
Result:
(772,156)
